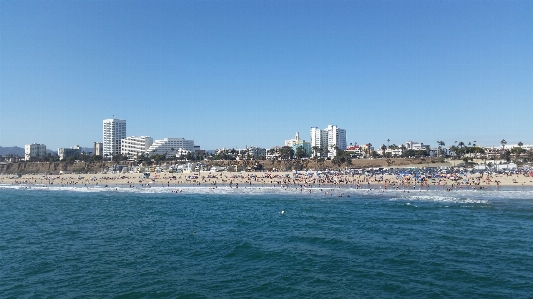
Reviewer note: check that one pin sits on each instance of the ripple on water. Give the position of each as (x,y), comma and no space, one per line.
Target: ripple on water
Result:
(227,243)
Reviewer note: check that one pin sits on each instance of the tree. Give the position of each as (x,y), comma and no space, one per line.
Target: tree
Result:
(383,148)
(316,150)
(503,143)
(461,144)
(287,152)
(369,145)
(341,157)
(441,144)
(520,143)
(300,152)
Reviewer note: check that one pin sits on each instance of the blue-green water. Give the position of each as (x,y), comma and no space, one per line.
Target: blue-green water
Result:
(203,243)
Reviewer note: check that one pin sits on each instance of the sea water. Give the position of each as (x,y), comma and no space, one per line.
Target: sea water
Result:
(264,243)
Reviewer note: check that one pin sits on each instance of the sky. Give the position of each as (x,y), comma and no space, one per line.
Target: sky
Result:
(241,73)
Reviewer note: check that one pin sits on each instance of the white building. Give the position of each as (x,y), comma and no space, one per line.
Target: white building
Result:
(258,153)
(291,142)
(114,132)
(64,153)
(330,137)
(417,146)
(319,138)
(98,148)
(336,137)
(169,146)
(182,153)
(34,150)
(134,146)
(394,152)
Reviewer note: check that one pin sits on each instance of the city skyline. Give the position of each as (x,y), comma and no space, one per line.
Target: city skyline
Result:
(232,74)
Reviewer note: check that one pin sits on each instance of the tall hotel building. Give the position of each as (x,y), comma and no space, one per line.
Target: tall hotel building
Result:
(319,138)
(114,132)
(327,138)
(337,137)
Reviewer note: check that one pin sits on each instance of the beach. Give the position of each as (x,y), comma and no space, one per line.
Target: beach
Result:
(302,179)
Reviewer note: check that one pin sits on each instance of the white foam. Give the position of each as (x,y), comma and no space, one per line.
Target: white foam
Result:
(456,196)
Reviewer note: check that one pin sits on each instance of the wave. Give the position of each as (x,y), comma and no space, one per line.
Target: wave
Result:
(466,196)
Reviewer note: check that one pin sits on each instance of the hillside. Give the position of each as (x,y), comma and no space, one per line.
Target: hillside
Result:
(83,167)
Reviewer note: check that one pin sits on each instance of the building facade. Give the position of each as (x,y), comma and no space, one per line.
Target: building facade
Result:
(114,131)
(306,146)
(328,139)
(257,153)
(98,149)
(319,138)
(135,146)
(417,146)
(34,150)
(64,153)
(336,138)
(169,146)
(290,142)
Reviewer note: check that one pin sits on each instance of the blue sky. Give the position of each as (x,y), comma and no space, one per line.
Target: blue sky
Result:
(241,73)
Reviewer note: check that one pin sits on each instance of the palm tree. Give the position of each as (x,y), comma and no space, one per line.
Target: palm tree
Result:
(461,144)
(316,149)
(520,143)
(503,143)
(441,144)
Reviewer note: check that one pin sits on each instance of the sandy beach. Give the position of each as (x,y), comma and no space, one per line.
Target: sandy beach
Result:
(272,179)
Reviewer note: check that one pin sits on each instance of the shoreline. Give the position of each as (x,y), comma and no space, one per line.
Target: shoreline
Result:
(302,180)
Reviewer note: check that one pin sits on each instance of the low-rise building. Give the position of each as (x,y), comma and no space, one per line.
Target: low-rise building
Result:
(34,150)
(135,146)
(169,146)
(354,151)
(257,153)
(394,152)
(416,146)
(306,146)
(64,153)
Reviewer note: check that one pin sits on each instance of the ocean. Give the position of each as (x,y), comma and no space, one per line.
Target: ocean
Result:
(264,243)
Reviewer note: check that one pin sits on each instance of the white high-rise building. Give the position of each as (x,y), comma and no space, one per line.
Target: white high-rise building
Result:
(319,138)
(330,137)
(134,146)
(336,138)
(169,146)
(114,132)
(34,150)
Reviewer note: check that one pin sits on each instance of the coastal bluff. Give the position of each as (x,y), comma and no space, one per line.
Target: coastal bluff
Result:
(250,165)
